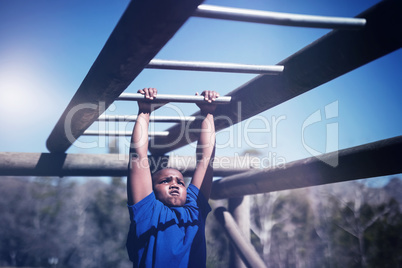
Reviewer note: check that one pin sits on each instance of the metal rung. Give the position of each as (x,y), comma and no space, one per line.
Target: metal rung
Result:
(173,98)
(214,67)
(159,119)
(123,133)
(277,18)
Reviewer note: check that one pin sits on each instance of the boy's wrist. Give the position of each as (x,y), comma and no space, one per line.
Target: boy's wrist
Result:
(144,111)
(206,113)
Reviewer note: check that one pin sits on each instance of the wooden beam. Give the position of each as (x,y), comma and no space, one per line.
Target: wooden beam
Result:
(245,249)
(60,164)
(329,57)
(239,208)
(145,27)
(379,158)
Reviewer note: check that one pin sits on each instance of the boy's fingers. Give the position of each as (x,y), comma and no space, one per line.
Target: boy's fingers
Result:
(144,92)
(153,92)
(212,95)
(209,95)
(148,95)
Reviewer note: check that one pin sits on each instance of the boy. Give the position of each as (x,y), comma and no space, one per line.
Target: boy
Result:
(167,222)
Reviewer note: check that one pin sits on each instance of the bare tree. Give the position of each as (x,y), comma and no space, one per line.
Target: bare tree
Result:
(347,206)
(263,220)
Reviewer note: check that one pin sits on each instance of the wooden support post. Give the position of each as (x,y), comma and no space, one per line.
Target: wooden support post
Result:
(244,248)
(240,209)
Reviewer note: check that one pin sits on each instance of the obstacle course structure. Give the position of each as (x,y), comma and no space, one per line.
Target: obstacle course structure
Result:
(132,47)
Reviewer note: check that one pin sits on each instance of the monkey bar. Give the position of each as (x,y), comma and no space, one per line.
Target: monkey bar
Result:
(173,98)
(153,118)
(214,67)
(104,83)
(277,18)
(122,133)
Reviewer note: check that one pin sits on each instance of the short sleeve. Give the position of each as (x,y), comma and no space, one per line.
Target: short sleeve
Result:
(193,193)
(140,211)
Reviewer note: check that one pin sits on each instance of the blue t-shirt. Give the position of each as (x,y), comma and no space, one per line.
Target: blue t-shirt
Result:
(162,236)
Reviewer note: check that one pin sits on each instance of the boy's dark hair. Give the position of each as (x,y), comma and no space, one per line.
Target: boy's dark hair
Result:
(156,171)
(157,163)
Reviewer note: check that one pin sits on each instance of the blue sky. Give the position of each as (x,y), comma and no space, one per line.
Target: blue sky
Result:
(47,48)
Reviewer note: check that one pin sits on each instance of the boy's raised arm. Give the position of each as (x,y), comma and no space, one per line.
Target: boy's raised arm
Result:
(139,180)
(203,174)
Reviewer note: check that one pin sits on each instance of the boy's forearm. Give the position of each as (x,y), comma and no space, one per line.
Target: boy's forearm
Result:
(139,138)
(139,178)
(206,142)
(205,154)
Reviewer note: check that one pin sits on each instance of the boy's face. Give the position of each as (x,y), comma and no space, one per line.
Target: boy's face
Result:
(169,187)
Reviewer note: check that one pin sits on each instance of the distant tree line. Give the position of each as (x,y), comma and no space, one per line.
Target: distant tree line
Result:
(52,222)
(335,225)
(56,222)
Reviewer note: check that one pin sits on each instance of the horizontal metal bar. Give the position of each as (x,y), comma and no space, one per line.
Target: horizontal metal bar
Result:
(214,67)
(277,18)
(154,118)
(370,160)
(173,98)
(122,133)
(61,164)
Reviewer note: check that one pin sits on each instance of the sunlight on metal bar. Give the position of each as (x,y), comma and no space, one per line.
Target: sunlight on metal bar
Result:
(122,133)
(278,18)
(214,67)
(158,119)
(173,98)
